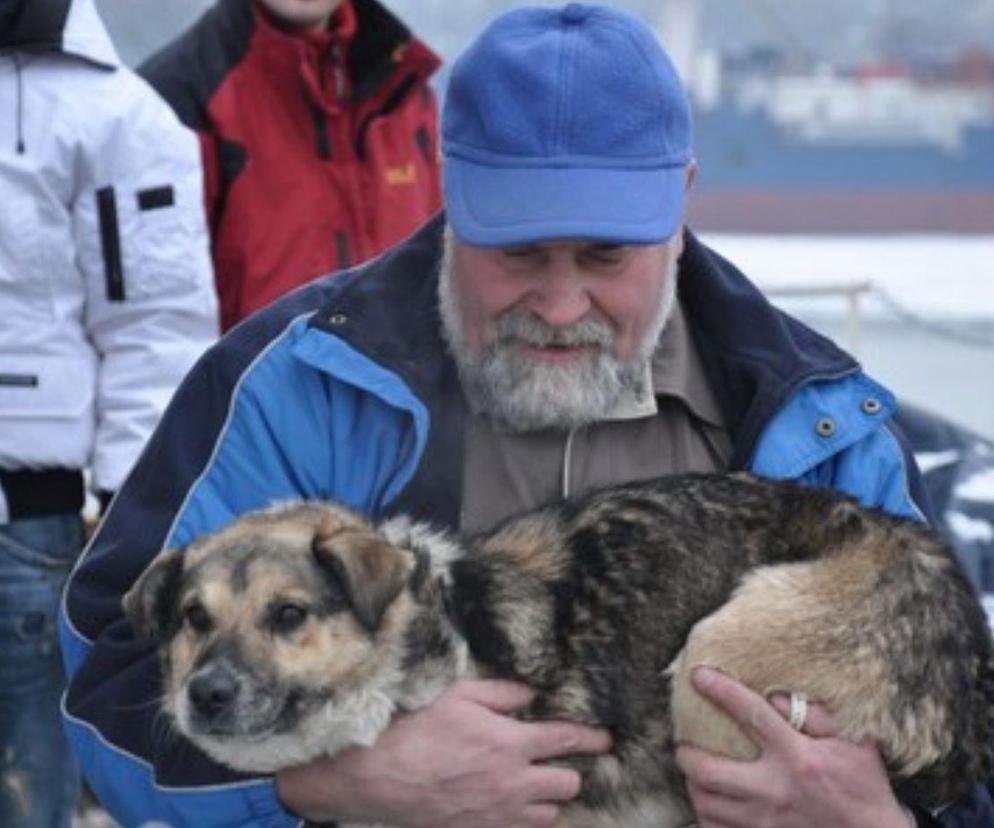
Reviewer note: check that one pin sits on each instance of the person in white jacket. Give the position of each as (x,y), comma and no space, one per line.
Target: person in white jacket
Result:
(106,299)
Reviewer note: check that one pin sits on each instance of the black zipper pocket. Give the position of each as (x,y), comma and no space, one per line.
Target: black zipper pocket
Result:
(19,380)
(321,132)
(156,198)
(110,240)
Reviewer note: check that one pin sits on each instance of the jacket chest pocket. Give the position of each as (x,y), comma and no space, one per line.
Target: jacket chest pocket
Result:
(139,244)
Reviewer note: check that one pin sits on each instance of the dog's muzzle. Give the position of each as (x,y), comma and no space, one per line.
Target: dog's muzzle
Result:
(213,695)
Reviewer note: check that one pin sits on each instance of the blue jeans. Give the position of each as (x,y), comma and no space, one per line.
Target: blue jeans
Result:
(39,781)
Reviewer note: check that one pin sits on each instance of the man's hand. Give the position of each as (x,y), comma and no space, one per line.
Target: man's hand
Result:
(462,762)
(800,780)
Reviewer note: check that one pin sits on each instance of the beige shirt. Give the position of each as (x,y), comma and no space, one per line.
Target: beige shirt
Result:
(675,426)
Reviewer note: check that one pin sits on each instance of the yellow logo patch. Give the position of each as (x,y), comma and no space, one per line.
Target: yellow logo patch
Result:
(401,176)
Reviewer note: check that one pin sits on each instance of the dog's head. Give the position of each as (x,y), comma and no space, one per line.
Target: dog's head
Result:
(280,635)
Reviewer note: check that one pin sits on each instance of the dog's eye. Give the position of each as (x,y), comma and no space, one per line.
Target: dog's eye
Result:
(197,617)
(285,618)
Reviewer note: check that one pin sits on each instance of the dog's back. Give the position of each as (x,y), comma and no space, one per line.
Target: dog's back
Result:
(799,589)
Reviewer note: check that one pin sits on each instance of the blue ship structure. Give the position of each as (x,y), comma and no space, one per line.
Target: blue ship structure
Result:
(755,175)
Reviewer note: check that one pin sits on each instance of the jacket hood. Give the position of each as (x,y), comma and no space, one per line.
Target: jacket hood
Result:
(70,27)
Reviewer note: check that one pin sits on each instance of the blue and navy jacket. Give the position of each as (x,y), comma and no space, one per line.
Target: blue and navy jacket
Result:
(344,390)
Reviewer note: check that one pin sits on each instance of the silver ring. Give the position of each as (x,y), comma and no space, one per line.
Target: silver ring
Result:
(798,710)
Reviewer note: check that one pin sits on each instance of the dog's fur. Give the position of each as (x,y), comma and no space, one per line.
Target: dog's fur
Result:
(302,629)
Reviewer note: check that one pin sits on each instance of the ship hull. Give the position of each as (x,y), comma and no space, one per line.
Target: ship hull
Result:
(759,210)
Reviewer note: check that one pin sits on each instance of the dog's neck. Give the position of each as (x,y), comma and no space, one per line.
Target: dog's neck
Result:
(435,654)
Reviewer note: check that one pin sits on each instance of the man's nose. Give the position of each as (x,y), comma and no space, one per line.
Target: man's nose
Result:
(560,296)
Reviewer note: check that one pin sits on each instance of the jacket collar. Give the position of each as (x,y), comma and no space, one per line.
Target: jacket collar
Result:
(70,27)
(388,309)
(378,47)
(756,358)
(289,46)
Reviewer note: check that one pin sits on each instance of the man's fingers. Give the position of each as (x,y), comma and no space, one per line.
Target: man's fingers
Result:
(752,712)
(715,774)
(714,810)
(551,784)
(818,722)
(540,815)
(551,740)
(495,694)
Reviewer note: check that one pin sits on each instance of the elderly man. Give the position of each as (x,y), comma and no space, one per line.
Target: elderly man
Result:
(564,333)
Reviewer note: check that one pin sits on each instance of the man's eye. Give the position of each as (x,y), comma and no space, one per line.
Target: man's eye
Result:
(285,618)
(605,254)
(197,617)
(519,253)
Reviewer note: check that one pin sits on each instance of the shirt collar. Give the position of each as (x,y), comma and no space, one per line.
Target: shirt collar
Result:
(677,370)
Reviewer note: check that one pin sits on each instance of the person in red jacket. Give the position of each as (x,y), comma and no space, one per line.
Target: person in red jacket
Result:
(319,137)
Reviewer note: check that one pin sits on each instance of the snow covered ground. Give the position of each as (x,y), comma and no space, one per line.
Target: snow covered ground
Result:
(925,328)
(944,277)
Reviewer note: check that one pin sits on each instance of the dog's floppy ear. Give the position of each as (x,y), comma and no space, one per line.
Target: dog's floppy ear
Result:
(367,567)
(148,605)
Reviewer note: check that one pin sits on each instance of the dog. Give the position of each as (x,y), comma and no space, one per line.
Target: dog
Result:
(302,629)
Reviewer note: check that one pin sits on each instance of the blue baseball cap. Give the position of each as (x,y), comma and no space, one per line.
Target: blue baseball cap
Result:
(565,123)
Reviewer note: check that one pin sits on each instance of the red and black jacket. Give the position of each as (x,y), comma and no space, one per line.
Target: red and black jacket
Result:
(320,150)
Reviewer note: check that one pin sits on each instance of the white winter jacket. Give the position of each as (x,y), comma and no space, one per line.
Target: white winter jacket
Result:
(106,290)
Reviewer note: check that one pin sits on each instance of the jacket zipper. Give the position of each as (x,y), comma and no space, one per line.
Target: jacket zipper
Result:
(318,115)
(338,71)
(19,72)
(566,487)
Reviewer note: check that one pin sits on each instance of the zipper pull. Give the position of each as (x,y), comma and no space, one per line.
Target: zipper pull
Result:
(339,70)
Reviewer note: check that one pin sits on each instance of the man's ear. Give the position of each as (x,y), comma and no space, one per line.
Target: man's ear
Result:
(149,604)
(368,568)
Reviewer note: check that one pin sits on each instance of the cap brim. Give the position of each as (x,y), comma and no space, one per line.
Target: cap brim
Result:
(492,206)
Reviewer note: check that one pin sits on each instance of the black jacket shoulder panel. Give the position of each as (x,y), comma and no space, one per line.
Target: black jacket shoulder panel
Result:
(378,35)
(189,70)
(388,308)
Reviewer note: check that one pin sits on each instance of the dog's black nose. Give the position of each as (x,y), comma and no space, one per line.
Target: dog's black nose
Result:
(213,693)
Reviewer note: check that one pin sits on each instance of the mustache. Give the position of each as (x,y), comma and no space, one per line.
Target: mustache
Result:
(526,327)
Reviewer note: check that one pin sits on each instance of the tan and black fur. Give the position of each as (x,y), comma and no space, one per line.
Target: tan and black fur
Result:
(604,606)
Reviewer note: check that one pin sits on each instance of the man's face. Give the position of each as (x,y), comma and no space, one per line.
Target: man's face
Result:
(303,14)
(551,334)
